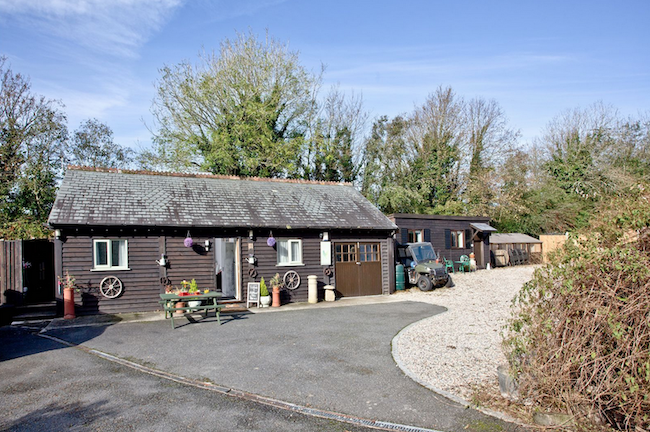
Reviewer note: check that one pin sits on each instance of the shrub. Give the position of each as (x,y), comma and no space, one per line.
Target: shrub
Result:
(264,291)
(580,340)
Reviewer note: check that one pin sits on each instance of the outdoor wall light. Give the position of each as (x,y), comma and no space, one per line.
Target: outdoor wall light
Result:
(325,235)
(207,245)
(250,234)
(57,233)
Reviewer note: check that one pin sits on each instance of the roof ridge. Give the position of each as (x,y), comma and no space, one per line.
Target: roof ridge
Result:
(203,175)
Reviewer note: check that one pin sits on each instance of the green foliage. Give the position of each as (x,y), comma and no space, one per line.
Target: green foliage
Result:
(440,159)
(34,144)
(24,228)
(32,140)
(193,287)
(579,340)
(92,145)
(243,111)
(264,291)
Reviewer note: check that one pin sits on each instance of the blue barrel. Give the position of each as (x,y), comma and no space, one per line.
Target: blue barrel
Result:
(399,277)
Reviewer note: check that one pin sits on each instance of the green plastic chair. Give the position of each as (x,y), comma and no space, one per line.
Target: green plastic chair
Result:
(449,265)
(464,263)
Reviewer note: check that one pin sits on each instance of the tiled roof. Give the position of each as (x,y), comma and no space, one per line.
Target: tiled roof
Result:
(109,198)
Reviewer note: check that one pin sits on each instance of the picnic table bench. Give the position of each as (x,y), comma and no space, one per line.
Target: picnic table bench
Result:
(209,302)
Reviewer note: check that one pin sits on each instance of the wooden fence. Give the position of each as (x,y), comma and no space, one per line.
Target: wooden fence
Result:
(11,271)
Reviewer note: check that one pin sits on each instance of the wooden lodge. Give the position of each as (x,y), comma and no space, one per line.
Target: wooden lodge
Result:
(148,230)
(451,236)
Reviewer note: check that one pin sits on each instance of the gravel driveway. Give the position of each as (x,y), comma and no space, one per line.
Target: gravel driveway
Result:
(461,348)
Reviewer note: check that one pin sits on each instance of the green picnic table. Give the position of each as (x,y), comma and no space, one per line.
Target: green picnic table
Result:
(208,302)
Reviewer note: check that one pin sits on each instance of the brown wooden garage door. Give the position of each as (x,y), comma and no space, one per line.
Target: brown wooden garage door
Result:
(358,269)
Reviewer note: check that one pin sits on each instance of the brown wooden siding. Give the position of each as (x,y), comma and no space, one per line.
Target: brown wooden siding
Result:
(142,283)
(437,229)
(267,265)
(190,263)
(267,260)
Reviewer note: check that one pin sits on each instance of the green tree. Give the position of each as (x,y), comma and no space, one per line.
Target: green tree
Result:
(243,111)
(92,145)
(335,138)
(436,136)
(32,139)
(385,170)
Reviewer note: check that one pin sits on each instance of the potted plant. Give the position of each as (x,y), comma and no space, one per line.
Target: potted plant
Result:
(276,283)
(68,295)
(193,289)
(265,298)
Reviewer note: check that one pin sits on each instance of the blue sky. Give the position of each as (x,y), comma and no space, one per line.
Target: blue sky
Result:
(535,58)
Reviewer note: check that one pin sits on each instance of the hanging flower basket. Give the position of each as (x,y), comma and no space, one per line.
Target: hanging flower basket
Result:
(270,241)
(188,242)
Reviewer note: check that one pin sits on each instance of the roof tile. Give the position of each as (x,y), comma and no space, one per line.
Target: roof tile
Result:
(113,198)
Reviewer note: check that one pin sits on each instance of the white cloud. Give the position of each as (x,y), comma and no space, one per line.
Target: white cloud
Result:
(117,27)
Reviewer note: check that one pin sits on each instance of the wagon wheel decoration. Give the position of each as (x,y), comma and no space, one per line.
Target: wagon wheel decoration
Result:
(291,280)
(110,287)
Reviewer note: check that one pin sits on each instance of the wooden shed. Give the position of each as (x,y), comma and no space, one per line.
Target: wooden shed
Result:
(150,229)
(451,236)
(515,249)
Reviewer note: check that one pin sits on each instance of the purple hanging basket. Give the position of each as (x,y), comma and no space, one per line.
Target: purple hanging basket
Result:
(188,242)
(270,241)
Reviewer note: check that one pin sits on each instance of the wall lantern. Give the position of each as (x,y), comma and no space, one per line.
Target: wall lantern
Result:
(207,245)
(325,235)
(251,235)
(57,233)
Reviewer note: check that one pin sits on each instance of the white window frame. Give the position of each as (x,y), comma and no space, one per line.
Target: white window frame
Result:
(109,255)
(296,261)
(458,236)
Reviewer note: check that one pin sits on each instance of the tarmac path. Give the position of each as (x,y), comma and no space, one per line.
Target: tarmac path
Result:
(335,359)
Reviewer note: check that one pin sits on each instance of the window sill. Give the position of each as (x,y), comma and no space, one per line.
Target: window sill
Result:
(290,265)
(109,269)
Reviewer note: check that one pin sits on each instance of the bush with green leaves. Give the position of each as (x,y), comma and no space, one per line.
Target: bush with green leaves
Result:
(580,339)
(264,291)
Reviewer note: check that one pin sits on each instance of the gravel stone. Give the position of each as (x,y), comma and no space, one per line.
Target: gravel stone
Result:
(460,349)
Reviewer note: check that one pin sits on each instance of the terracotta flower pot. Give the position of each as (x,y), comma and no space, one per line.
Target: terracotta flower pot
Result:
(276,296)
(68,303)
(180,305)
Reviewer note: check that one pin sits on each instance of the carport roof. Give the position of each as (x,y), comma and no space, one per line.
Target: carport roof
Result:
(512,238)
(89,196)
(483,227)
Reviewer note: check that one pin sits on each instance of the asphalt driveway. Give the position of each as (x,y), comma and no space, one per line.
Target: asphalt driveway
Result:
(335,359)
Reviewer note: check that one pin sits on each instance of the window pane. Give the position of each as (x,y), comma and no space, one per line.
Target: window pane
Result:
(283,253)
(115,253)
(101,253)
(295,252)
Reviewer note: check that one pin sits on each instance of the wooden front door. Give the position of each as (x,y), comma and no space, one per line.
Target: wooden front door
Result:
(358,269)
